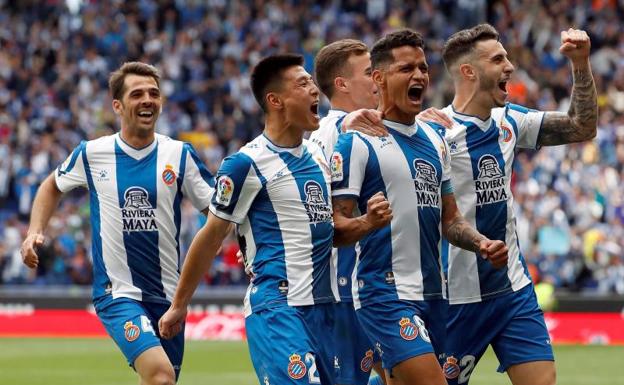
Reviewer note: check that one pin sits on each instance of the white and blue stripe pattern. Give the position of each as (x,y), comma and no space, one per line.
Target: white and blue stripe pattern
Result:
(135,197)
(402,260)
(279,197)
(482,155)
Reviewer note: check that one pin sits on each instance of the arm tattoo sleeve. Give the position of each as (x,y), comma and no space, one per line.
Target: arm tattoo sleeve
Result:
(461,234)
(579,124)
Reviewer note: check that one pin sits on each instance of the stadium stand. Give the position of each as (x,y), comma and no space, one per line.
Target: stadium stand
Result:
(55,58)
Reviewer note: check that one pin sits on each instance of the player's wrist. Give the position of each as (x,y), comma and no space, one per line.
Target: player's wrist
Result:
(580,64)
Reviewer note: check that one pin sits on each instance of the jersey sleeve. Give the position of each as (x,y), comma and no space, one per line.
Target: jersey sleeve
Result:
(527,124)
(326,137)
(348,165)
(236,188)
(71,173)
(198,183)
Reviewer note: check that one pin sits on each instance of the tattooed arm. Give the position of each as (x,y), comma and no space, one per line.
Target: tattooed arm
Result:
(348,230)
(579,124)
(460,233)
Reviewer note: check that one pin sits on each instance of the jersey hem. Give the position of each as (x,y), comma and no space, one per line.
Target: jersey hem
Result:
(488,296)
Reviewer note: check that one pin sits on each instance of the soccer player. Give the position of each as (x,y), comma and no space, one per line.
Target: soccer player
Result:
(498,306)
(343,73)
(398,288)
(276,190)
(136,179)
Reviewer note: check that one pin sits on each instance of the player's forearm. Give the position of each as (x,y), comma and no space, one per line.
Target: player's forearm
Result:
(461,234)
(45,203)
(580,123)
(347,231)
(201,253)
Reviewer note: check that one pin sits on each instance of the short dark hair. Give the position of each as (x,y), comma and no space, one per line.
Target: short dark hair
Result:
(330,62)
(462,42)
(268,72)
(116,81)
(382,50)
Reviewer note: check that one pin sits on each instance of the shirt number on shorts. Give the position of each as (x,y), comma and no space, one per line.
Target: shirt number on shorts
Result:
(467,363)
(420,324)
(313,377)
(146,325)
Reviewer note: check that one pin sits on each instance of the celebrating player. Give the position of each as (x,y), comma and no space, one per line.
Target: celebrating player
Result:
(498,306)
(276,190)
(343,73)
(398,291)
(136,180)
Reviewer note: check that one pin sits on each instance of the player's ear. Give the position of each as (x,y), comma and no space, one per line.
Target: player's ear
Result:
(378,77)
(273,100)
(117,106)
(340,84)
(467,71)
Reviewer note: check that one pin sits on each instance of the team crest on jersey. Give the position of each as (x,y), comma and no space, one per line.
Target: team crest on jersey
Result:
(408,330)
(336,167)
(296,368)
(367,362)
(225,190)
(168,175)
(426,184)
(317,208)
(137,213)
(131,331)
(506,133)
(443,153)
(490,184)
(450,368)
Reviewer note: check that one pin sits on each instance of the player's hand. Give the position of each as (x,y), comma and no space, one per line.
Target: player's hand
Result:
(494,251)
(366,121)
(436,116)
(28,252)
(575,45)
(171,322)
(378,211)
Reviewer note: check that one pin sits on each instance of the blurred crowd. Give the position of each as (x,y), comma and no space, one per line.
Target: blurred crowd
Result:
(55,58)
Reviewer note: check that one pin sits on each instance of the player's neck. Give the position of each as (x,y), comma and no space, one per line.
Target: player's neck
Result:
(469,103)
(281,133)
(342,104)
(391,112)
(135,139)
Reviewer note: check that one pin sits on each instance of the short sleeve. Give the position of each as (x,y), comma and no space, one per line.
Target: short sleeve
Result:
(198,183)
(71,173)
(526,123)
(348,165)
(237,185)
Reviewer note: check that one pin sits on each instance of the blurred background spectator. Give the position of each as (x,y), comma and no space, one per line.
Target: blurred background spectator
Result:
(55,58)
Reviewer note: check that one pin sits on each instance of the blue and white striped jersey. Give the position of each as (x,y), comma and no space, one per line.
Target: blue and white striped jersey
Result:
(401,260)
(482,154)
(343,258)
(279,198)
(135,199)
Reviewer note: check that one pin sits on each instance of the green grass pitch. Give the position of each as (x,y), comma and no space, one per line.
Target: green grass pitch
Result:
(34,361)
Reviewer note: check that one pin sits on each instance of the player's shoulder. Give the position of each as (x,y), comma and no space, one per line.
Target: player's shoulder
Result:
(434,130)
(458,120)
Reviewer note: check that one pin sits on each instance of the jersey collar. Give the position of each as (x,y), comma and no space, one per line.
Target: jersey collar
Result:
(136,153)
(484,125)
(408,130)
(296,151)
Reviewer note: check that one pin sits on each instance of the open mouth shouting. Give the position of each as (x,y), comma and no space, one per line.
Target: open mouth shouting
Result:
(314,109)
(415,93)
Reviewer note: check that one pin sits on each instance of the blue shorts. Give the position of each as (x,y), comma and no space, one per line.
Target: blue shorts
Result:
(355,353)
(292,344)
(404,329)
(131,325)
(512,323)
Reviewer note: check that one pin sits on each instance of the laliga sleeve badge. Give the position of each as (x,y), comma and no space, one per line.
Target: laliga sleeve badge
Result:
(408,331)
(131,331)
(367,362)
(336,167)
(296,368)
(168,175)
(450,368)
(225,190)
